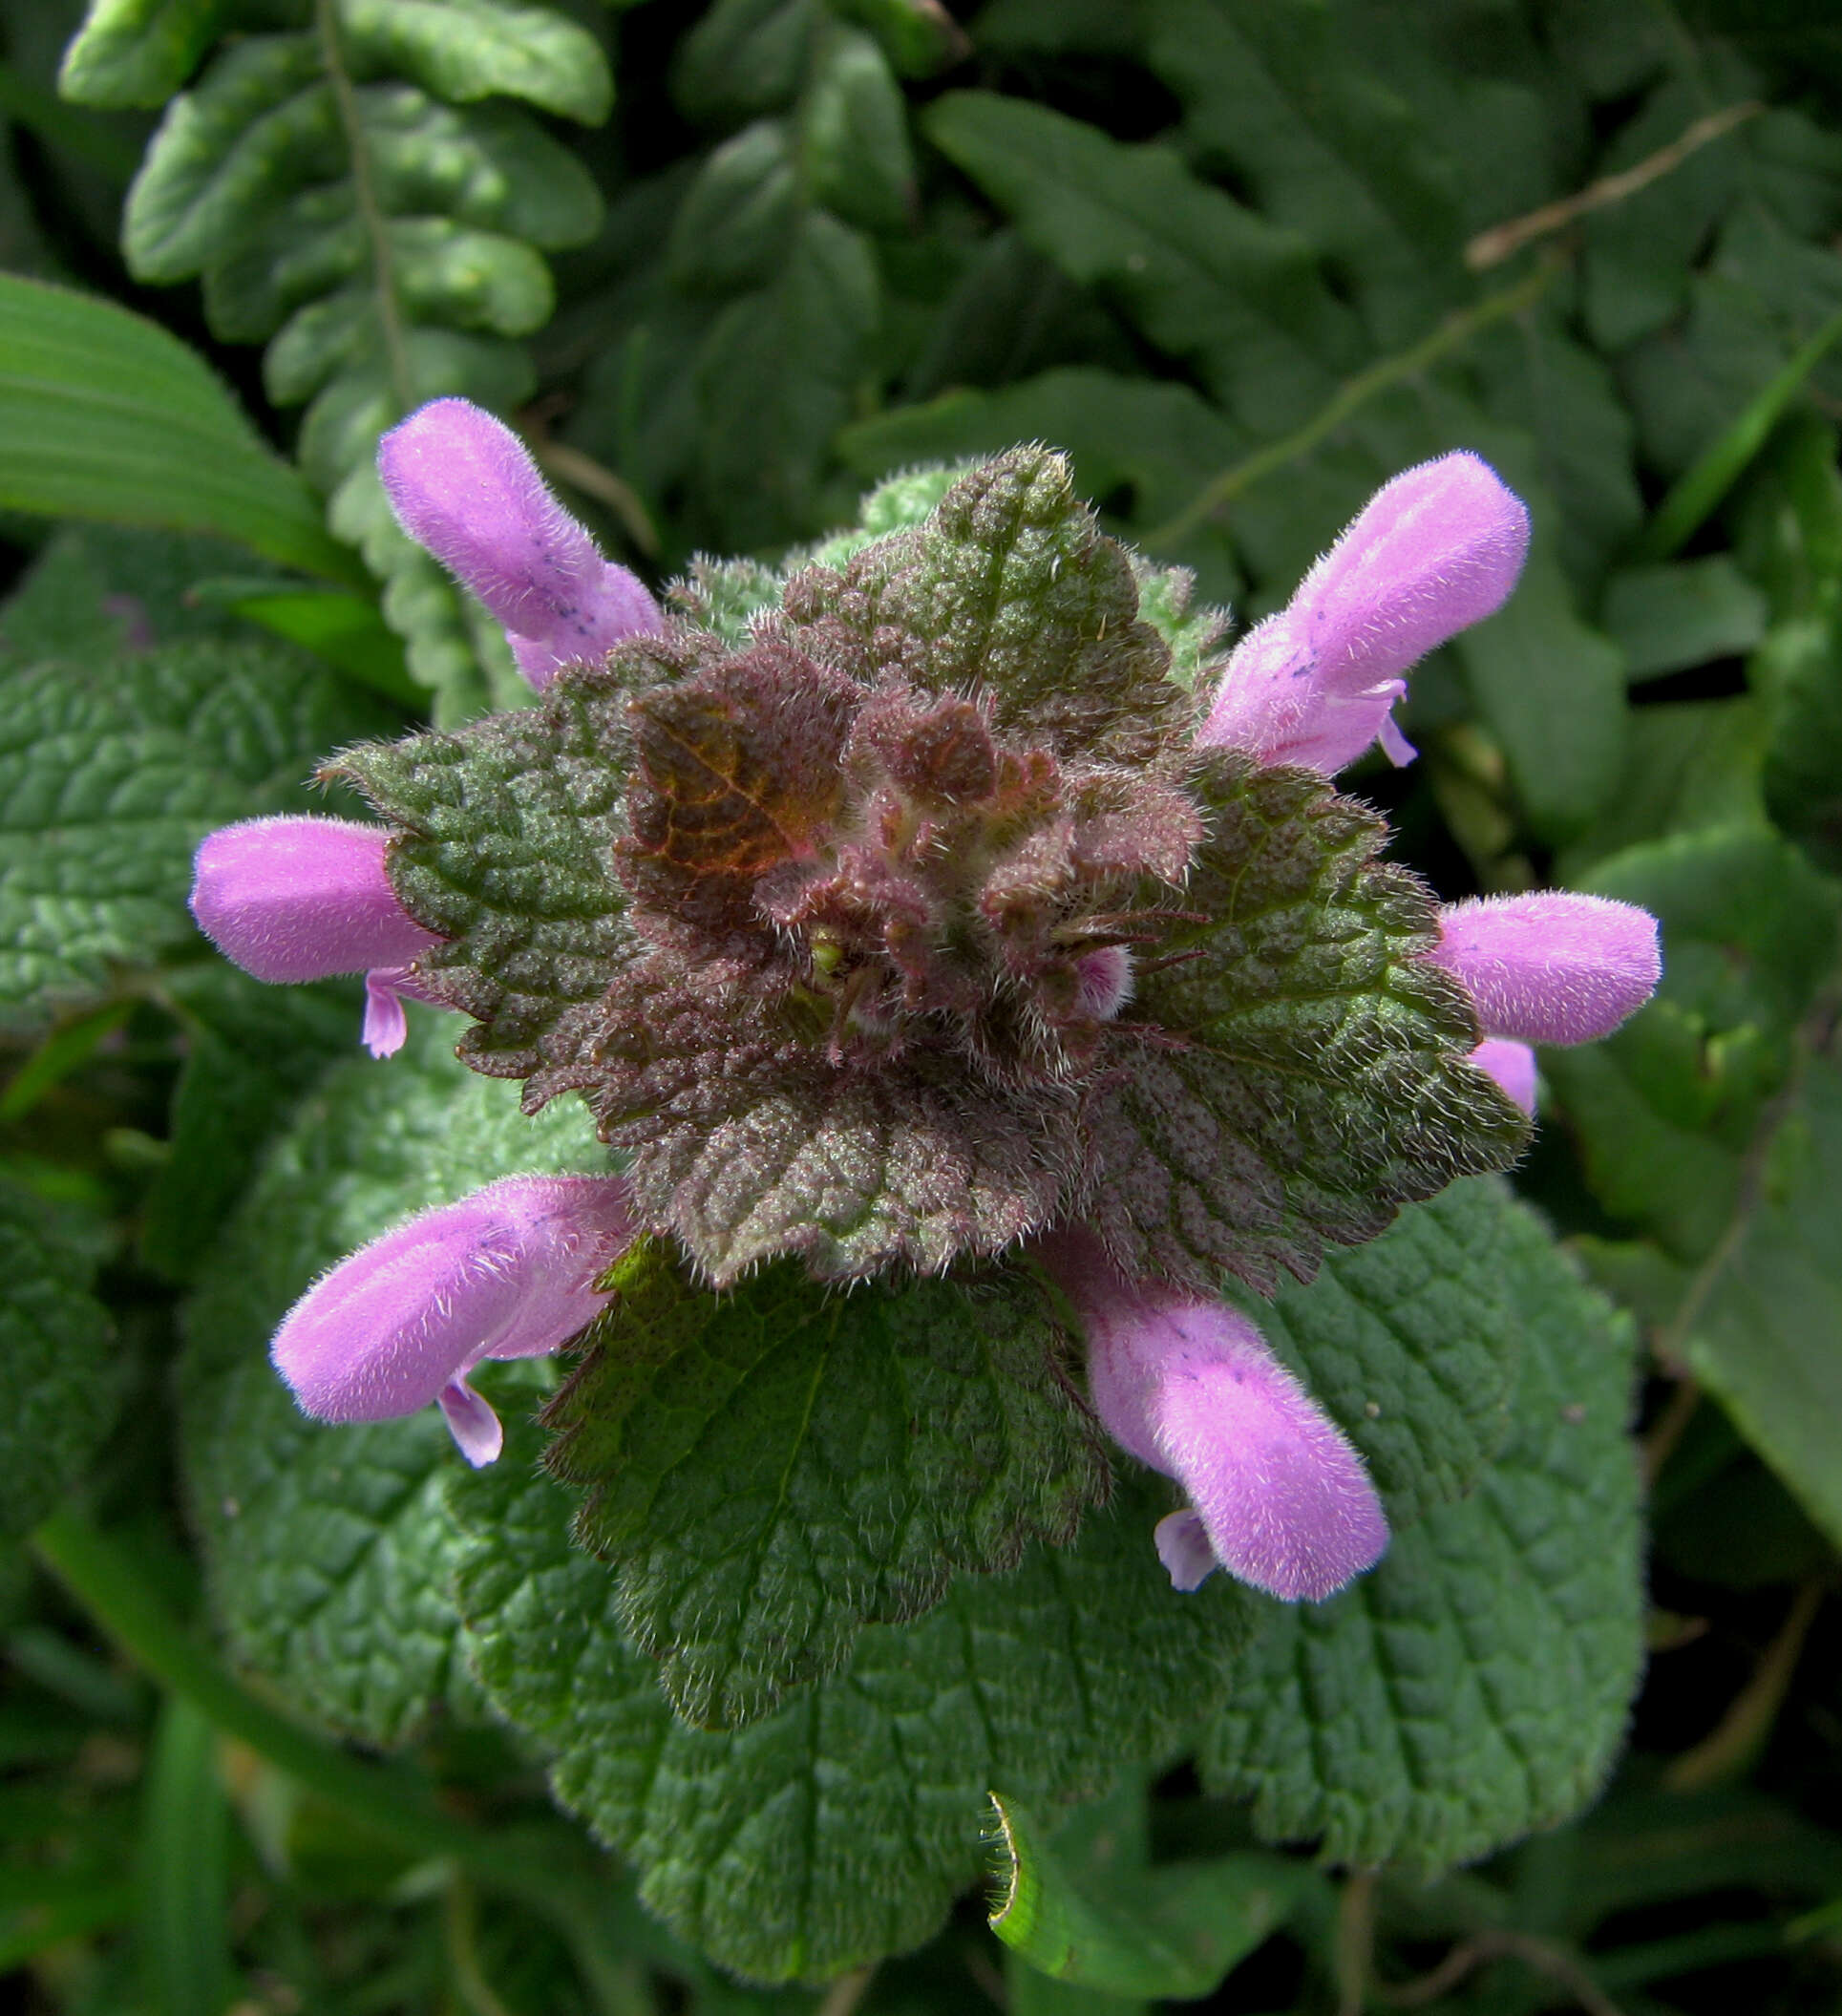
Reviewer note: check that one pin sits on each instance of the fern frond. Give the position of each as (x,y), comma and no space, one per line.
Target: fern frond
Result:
(355,191)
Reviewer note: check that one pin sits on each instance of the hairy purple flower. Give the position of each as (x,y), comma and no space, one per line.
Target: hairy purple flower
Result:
(294,899)
(1277,1494)
(463,484)
(508,1272)
(1551,968)
(1435,551)
(1512,1066)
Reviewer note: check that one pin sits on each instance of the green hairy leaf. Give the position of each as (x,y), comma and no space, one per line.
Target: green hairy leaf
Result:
(327,1549)
(345,196)
(1321,1081)
(111,773)
(59,1369)
(772,1469)
(1474,1685)
(840,1827)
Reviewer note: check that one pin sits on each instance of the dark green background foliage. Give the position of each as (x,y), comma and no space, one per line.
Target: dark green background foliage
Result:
(852,1564)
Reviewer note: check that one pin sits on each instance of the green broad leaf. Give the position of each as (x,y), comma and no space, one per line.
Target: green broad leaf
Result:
(344,629)
(918,36)
(60,1382)
(1765,1341)
(328,1548)
(1798,676)
(841,1827)
(770,1470)
(533,924)
(106,415)
(1663,1109)
(1684,614)
(738,216)
(1475,1686)
(1552,692)
(1321,1076)
(183,1877)
(136,52)
(1172,1931)
(1687,765)
(463,50)
(97,591)
(744,57)
(1287,94)
(1412,1344)
(1203,278)
(854,135)
(775,377)
(251,1054)
(113,771)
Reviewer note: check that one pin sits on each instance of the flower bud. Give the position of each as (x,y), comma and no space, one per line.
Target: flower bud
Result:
(291,899)
(508,1272)
(1432,552)
(1513,1066)
(1551,968)
(1278,1495)
(463,484)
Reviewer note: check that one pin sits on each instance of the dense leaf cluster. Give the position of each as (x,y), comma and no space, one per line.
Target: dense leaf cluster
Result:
(825,1570)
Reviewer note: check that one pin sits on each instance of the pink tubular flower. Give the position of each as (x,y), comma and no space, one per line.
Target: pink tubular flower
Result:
(291,899)
(508,1272)
(1278,1497)
(1551,968)
(1513,1066)
(1431,553)
(463,484)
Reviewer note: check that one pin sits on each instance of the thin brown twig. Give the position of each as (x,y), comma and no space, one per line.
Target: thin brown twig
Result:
(1726,1748)
(1661,1437)
(1473,1953)
(1490,248)
(1355,1955)
(846,1992)
(558,460)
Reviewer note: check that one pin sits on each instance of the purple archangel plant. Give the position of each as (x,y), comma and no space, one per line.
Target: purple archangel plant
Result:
(911,917)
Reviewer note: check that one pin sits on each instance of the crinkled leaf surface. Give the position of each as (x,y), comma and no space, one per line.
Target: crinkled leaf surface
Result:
(251,1052)
(840,1827)
(508,853)
(111,771)
(60,1381)
(1318,1079)
(1412,1344)
(1010,584)
(1474,1685)
(328,1548)
(771,1468)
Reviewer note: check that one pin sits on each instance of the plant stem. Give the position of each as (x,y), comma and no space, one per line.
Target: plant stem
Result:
(1451,334)
(370,212)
